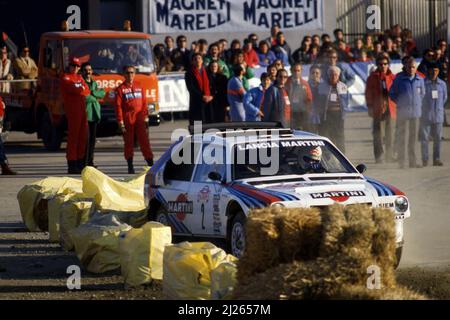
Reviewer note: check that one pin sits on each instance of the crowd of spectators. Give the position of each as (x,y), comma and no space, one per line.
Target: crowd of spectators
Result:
(217,77)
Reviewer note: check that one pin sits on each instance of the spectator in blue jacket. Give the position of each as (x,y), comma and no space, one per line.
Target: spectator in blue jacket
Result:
(407,92)
(432,114)
(282,50)
(253,99)
(276,104)
(347,75)
(235,94)
(265,55)
(331,105)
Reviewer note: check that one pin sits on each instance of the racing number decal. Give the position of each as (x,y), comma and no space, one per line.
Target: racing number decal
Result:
(203,216)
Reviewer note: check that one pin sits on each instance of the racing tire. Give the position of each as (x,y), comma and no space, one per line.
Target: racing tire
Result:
(236,236)
(161,216)
(51,135)
(398,256)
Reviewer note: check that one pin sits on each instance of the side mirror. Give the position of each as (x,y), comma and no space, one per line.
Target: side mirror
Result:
(215,176)
(361,168)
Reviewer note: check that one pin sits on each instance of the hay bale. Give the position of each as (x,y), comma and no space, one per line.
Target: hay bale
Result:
(384,244)
(300,232)
(261,250)
(333,220)
(347,292)
(307,255)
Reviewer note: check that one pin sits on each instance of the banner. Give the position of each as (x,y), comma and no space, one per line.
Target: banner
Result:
(168,16)
(174,96)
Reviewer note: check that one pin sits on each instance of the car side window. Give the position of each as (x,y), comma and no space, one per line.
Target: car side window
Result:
(214,163)
(182,162)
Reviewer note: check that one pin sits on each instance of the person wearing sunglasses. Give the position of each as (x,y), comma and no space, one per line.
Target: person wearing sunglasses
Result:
(276,103)
(25,68)
(381,109)
(331,103)
(429,57)
(181,55)
(132,117)
(347,76)
(74,91)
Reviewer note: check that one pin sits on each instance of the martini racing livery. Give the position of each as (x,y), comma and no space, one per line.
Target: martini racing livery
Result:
(205,184)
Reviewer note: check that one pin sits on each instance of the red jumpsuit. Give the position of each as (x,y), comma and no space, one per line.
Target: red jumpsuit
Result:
(74,92)
(131,108)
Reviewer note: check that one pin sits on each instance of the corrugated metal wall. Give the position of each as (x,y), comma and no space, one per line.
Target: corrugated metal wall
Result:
(426,18)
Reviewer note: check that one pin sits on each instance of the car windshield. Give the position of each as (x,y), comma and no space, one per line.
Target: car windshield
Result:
(111,55)
(287,157)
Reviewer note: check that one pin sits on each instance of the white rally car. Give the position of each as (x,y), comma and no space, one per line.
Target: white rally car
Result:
(205,184)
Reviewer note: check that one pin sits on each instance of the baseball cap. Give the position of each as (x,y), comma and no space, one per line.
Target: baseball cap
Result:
(75,62)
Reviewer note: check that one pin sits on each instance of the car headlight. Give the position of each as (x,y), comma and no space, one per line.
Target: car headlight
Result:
(401,204)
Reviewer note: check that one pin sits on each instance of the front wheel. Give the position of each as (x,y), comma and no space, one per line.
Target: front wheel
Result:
(236,237)
(161,216)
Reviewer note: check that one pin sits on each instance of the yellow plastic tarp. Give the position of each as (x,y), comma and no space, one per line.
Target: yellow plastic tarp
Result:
(33,199)
(54,206)
(110,194)
(136,219)
(141,253)
(223,279)
(187,267)
(97,243)
(72,213)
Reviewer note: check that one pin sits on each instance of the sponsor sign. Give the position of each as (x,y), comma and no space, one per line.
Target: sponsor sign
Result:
(338,196)
(181,206)
(234,15)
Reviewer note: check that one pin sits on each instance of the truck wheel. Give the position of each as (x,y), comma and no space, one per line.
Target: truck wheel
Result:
(236,236)
(398,255)
(51,135)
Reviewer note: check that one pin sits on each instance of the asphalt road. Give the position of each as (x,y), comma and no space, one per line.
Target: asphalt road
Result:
(427,232)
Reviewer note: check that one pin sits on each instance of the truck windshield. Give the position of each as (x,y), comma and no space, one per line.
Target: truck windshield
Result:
(111,55)
(287,157)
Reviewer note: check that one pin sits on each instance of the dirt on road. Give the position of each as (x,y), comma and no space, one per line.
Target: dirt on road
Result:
(33,268)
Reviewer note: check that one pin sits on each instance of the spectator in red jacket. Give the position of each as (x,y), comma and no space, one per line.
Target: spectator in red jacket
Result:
(250,55)
(6,170)
(382,109)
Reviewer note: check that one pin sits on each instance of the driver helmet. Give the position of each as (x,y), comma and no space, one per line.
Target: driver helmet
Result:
(314,154)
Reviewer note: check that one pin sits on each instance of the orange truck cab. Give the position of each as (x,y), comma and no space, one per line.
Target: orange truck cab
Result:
(41,109)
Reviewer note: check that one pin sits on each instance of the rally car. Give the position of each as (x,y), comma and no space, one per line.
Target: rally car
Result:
(206,183)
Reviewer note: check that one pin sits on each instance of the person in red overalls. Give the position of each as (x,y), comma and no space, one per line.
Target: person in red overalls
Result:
(74,92)
(132,116)
(6,170)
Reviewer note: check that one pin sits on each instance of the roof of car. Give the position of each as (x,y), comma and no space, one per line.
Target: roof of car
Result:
(252,135)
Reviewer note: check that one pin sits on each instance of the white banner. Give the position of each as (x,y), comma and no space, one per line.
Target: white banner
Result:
(168,16)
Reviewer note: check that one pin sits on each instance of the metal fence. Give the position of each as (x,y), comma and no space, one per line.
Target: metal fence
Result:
(426,18)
